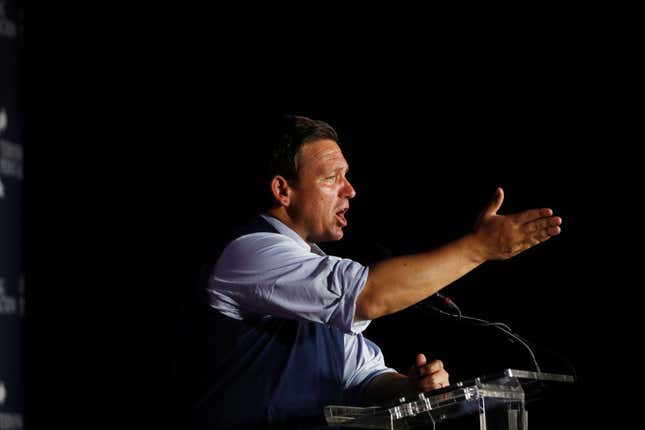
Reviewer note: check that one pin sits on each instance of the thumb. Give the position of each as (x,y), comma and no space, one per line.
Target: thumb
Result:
(421,360)
(495,203)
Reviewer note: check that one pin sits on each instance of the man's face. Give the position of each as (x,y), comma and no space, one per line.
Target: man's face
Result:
(320,196)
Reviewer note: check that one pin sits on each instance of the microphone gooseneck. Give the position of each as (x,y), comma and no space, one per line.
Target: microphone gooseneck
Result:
(424,306)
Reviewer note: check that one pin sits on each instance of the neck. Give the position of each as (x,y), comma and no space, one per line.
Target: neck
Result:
(282,215)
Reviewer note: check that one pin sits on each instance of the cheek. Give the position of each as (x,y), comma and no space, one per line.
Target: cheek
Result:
(321,207)
(324,203)
(327,203)
(317,207)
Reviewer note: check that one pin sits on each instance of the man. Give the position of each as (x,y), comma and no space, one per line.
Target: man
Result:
(284,320)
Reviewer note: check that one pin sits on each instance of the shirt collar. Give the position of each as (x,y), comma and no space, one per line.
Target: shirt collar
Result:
(284,229)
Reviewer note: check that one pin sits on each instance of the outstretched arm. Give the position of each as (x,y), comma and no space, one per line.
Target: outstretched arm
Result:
(396,283)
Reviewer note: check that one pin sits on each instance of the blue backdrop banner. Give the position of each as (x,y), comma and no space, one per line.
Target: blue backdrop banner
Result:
(11,174)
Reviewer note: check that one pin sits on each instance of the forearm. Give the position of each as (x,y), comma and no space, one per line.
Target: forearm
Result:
(396,283)
(386,387)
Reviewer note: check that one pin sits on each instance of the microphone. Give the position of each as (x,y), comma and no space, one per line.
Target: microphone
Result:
(449,302)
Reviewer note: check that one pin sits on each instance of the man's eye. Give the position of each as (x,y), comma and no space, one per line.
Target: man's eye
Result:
(330,178)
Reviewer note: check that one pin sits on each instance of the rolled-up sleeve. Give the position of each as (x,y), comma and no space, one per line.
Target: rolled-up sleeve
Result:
(270,274)
(363,362)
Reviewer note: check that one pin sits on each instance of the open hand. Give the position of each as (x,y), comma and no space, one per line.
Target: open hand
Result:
(503,236)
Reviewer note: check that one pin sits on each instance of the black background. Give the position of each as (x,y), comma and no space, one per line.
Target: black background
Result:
(140,139)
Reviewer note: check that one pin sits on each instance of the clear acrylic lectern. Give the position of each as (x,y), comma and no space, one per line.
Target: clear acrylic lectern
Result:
(491,402)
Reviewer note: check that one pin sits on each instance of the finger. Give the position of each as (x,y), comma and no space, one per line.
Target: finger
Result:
(533,214)
(553,231)
(539,237)
(435,366)
(430,368)
(441,378)
(544,234)
(435,380)
(541,224)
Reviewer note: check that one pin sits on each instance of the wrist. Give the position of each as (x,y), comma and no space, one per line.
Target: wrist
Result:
(411,388)
(474,248)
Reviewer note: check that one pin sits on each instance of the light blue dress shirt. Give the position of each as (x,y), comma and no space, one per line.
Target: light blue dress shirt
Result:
(279,274)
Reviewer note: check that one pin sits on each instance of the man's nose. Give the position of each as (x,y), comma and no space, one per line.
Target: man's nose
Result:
(348,190)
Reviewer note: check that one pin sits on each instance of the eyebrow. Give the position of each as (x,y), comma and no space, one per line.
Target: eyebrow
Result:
(339,169)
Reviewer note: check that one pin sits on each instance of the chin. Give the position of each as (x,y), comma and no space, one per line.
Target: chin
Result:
(338,234)
(332,236)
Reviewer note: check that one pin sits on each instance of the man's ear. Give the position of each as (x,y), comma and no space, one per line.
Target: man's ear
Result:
(280,190)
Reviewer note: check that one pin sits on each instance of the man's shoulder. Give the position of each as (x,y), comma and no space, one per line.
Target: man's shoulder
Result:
(256,224)
(248,243)
(228,234)
(252,240)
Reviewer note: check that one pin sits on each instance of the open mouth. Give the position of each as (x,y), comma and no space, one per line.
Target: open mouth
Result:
(340,216)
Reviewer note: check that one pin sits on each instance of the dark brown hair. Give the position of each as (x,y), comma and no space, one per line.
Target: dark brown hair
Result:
(295,131)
